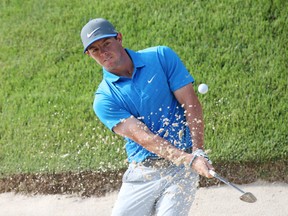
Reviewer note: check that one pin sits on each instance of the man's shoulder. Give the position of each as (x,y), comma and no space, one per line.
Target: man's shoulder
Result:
(103,88)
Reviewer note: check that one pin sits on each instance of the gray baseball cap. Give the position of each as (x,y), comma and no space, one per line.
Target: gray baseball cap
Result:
(96,29)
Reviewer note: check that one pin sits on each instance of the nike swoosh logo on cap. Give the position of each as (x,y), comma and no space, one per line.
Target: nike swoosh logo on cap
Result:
(91,33)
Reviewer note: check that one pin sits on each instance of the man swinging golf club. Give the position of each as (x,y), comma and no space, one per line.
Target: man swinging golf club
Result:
(148,98)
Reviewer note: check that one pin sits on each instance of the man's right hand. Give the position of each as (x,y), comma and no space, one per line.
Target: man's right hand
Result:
(202,166)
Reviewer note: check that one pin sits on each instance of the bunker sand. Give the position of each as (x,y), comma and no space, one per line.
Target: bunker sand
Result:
(221,200)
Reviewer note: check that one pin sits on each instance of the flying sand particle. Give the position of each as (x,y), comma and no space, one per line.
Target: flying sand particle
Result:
(180,134)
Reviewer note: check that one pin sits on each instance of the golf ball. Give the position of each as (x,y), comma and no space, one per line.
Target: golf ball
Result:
(203,88)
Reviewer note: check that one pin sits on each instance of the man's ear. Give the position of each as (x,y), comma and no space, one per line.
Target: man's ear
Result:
(119,37)
(87,53)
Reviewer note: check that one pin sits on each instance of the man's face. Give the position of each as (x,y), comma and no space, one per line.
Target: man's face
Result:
(107,52)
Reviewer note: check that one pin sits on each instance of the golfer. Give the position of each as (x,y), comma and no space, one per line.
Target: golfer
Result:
(147,97)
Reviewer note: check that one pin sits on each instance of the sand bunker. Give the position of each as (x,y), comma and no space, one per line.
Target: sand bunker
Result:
(210,201)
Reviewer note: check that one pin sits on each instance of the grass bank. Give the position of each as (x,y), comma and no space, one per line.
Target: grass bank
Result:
(239,48)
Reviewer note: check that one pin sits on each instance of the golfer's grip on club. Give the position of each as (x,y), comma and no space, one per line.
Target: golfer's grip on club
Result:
(204,171)
(213,173)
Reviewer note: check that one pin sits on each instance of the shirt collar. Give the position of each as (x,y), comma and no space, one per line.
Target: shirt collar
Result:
(137,62)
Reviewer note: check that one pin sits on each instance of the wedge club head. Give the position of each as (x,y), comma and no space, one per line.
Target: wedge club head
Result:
(246,196)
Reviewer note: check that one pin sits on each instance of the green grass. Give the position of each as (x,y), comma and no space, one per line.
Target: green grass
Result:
(239,48)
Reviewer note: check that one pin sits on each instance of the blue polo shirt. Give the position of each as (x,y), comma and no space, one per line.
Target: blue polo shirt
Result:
(148,96)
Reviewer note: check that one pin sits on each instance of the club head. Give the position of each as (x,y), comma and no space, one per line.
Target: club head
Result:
(248,197)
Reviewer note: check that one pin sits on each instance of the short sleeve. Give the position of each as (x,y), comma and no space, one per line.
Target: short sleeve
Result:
(108,111)
(176,72)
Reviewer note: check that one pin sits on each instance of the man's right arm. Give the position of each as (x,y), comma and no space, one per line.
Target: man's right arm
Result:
(137,131)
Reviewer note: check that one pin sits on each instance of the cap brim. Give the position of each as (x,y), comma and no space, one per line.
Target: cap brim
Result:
(99,38)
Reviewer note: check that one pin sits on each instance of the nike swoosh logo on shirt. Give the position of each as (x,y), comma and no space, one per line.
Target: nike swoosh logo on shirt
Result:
(91,33)
(149,81)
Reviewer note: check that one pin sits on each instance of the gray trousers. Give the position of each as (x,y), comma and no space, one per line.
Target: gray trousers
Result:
(164,189)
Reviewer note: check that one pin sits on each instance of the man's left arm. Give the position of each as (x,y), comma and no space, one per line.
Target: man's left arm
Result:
(187,97)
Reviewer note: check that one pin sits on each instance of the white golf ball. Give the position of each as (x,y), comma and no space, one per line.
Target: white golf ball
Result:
(203,88)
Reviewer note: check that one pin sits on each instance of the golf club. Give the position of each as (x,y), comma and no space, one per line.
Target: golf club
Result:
(246,196)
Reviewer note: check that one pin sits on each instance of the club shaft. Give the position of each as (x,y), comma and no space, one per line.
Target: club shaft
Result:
(225,181)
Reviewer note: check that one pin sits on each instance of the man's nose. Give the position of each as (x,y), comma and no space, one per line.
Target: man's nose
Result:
(103,50)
